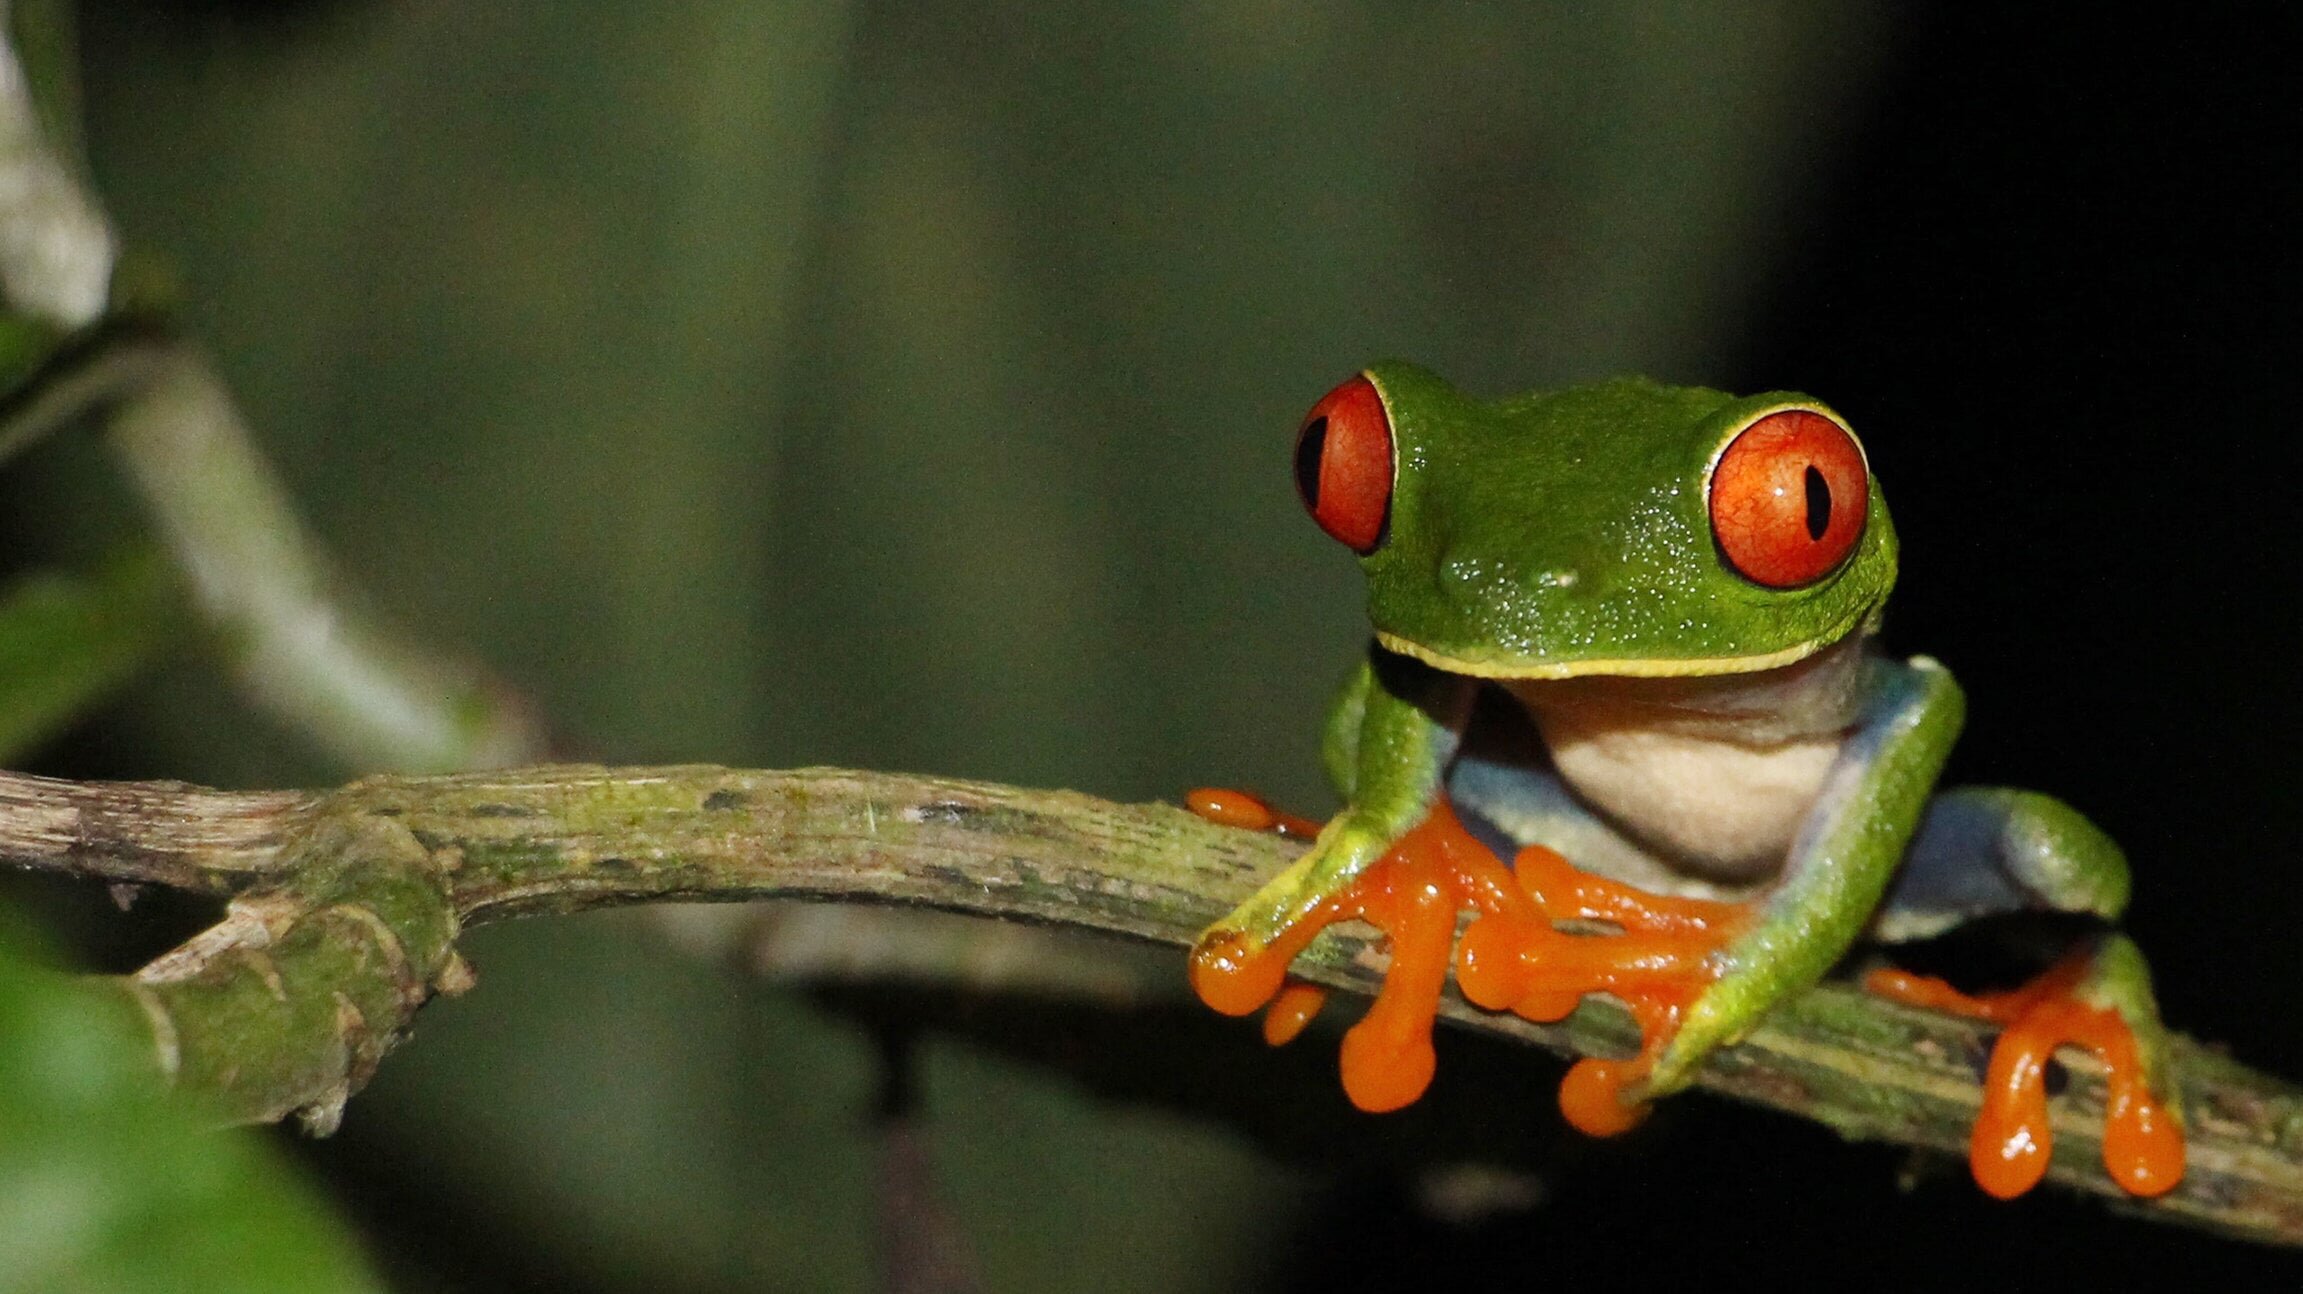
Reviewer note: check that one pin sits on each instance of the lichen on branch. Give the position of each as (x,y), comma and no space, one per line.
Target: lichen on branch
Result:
(345,905)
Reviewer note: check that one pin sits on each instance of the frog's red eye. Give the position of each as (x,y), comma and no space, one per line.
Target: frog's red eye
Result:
(1343,465)
(1788,498)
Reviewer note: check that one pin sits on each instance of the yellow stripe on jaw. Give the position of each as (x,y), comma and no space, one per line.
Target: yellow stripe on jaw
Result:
(1629,668)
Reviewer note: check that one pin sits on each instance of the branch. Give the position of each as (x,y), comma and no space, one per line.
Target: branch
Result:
(344,908)
(56,246)
(73,340)
(302,640)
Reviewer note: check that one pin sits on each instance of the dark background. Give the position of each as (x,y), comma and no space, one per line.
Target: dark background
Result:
(909,386)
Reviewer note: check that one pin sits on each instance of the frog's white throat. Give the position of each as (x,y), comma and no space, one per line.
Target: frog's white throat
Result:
(1717,771)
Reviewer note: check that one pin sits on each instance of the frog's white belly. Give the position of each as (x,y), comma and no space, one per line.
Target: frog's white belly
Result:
(1726,809)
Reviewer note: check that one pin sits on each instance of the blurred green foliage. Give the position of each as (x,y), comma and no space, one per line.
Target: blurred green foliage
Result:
(68,641)
(900,386)
(108,1183)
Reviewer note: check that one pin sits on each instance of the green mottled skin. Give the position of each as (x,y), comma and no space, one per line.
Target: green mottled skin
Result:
(1605,481)
(1560,543)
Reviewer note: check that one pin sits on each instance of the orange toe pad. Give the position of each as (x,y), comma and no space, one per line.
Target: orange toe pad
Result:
(2011,1144)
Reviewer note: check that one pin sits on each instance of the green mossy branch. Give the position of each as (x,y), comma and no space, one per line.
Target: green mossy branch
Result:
(345,905)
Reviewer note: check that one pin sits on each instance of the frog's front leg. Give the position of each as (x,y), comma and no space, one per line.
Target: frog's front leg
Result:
(1390,736)
(1838,867)
(1966,854)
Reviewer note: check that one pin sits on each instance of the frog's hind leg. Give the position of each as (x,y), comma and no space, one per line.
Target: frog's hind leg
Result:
(1980,851)
(1983,851)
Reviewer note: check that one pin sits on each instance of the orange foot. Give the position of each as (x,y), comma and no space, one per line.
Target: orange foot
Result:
(1657,960)
(1660,958)
(1412,894)
(2009,1150)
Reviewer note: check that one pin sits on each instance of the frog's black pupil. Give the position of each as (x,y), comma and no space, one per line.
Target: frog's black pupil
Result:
(1818,503)
(1308,448)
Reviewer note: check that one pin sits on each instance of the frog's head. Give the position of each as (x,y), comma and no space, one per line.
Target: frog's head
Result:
(1624,528)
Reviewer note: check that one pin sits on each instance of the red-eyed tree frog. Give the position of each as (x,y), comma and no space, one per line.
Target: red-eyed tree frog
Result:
(1632,626)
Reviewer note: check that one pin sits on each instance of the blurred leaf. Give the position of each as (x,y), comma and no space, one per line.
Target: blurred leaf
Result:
(68,640)
(24,344)
(108,1182)
(45,39)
